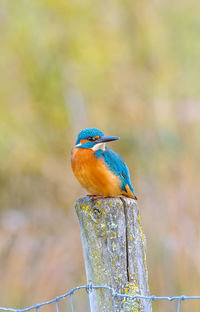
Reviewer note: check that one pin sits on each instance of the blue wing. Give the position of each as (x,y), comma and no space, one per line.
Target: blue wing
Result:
(116,165)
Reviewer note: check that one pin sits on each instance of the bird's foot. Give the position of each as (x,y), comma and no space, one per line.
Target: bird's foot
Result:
(97,196)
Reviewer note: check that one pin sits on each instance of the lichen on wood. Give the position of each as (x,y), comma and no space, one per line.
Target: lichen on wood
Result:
(114,252)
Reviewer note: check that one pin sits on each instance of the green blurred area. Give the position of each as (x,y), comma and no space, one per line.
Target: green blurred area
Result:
(130,68)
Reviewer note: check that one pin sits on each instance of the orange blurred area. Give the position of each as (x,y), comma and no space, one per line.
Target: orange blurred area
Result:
(130,68)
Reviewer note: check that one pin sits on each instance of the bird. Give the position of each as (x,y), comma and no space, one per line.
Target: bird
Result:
(99,169)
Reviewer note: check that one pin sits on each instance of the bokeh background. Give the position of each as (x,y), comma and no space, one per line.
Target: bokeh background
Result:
(130,68)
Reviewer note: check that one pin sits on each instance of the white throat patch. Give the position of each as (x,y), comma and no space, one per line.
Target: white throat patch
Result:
(98,146)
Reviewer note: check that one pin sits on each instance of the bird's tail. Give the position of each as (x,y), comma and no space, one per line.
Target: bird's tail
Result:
(129,192)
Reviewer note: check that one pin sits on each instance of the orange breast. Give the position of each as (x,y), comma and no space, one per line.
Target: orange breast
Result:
(93,174)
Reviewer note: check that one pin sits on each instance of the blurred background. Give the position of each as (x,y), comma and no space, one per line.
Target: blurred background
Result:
(130,68)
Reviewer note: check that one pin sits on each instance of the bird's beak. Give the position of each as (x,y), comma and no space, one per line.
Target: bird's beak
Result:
(104,139)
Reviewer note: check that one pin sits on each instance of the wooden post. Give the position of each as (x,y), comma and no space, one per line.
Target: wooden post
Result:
(114,252)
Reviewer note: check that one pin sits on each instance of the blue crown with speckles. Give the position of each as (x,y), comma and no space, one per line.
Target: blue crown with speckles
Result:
(89,132)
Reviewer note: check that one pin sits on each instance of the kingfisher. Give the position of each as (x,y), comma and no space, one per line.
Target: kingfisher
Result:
(99,169)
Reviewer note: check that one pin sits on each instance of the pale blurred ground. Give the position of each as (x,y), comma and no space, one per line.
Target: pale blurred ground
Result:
(130,68)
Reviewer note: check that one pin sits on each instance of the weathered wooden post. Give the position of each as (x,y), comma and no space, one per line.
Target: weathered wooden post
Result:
(114,252)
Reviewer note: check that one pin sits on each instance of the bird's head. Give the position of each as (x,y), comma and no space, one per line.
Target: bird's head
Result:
(93,138)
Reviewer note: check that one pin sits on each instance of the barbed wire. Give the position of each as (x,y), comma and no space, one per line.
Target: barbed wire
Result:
(89,288)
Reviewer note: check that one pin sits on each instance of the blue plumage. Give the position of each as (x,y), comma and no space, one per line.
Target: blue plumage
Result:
(116,165)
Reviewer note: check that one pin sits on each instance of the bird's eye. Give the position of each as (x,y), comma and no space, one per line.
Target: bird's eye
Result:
(92,139)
